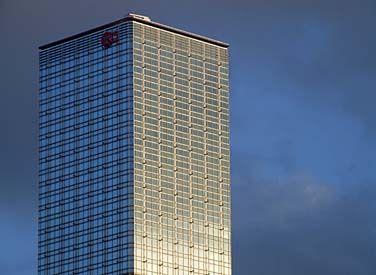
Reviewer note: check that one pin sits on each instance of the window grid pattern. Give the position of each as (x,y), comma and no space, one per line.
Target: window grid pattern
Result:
(86,157)
(181,153)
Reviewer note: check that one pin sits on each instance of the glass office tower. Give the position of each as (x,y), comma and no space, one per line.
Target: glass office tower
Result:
(134,153)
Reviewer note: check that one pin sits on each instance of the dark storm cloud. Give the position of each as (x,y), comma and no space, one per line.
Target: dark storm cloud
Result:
(320,50)
(290,217)
(298,225)
(302,114)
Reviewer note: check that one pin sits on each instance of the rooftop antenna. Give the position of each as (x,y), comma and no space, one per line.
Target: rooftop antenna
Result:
(137,16)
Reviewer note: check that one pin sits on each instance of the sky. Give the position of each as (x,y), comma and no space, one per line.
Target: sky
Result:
(303,128)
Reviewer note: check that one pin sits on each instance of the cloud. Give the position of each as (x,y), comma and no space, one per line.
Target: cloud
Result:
(320,51)
(18,253)
(299,225)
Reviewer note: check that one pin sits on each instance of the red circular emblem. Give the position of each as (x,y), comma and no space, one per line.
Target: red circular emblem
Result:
(108,38)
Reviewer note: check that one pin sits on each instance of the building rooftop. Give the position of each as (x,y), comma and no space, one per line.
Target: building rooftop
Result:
(138,18)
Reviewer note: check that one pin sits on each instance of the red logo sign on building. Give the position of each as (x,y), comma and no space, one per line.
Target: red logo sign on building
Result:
(109,38)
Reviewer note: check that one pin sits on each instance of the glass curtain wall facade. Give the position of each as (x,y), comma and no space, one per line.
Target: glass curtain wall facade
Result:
(181,154)
(86,157)
(134,153)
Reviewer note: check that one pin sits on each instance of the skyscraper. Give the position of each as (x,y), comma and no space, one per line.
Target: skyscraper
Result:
(134,152)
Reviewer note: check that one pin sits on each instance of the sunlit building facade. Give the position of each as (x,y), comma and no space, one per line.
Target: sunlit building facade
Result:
(134,153)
